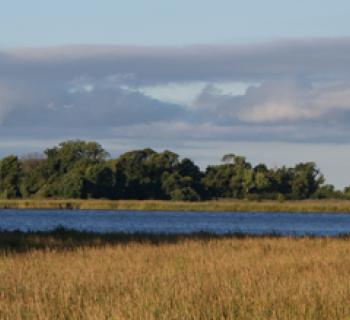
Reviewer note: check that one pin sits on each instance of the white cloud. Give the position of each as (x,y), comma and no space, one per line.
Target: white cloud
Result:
(299,103)
(285,100)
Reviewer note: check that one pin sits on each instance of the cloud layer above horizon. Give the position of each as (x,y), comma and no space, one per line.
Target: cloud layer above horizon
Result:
(294,91)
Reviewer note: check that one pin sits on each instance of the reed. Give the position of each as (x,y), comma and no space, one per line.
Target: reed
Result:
(176,277)
(157,205)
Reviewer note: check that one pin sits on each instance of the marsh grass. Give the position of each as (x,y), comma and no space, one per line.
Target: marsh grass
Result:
(71,275)
(158,205)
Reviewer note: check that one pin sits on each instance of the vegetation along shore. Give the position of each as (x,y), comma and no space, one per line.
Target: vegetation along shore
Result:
(329,206)
(70,275)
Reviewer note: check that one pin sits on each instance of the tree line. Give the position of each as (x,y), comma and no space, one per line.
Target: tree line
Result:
(81,169)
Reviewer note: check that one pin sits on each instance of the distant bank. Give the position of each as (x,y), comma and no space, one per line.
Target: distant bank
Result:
(157,205)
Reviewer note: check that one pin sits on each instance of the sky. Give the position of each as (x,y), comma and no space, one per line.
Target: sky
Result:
(266,79)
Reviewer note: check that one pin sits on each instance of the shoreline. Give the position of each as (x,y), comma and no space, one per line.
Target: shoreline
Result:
(64,239)
(298,206)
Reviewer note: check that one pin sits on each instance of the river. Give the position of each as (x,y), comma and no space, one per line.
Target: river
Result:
(294,224)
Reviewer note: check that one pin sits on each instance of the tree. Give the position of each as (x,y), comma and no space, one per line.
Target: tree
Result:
(139,174)
(178,187)
(262,181)
(10,173)
(31,161)
(66,170)
(99,182)
(80,169)
(72,186)
(306,180)
(228,158)
(242,175)
(62,158)
(328,191)
(217,181)
(281,182)
(185,194)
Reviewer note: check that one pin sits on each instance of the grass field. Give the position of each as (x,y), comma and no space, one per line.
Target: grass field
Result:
(70,275)
(220,205)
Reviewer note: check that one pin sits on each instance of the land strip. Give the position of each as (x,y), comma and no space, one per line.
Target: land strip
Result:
(157,205)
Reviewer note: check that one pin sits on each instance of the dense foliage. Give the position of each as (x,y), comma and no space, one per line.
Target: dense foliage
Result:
(79,169)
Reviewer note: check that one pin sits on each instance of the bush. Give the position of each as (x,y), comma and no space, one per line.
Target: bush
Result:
(185,194)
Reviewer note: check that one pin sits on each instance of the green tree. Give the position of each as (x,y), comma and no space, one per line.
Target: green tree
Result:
(99,182)
(178,187)
(138,173)
(62,158)
(10,174)
(34,174)
(327,191)
(217,181)
(80,169)
(243,180)
(72,186)
(306,180)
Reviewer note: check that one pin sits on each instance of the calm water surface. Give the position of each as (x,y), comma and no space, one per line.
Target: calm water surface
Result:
(324,224)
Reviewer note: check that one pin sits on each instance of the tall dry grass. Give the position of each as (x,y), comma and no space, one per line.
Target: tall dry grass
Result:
(229,278)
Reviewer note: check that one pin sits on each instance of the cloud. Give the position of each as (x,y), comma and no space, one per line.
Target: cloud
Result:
(283,101)
(5,102)
(308,57)
(83,102)
(301,92)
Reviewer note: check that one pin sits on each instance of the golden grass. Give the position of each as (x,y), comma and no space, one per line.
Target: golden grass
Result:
(228,278)
(219,205)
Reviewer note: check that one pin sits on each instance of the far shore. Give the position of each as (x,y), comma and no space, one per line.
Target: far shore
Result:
(158,205)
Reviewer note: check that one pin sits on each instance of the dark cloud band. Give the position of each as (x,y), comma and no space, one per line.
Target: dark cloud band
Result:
(304,92)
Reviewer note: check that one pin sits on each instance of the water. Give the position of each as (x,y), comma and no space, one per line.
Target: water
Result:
(296,224)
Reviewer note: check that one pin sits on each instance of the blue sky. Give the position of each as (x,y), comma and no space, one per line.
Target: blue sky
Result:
(266,79)
(161,22)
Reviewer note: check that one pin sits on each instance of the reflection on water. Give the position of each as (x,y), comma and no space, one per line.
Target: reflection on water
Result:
(323,224)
